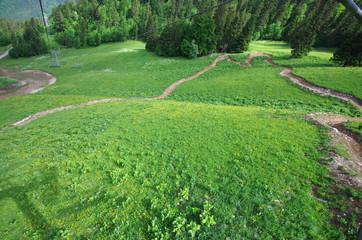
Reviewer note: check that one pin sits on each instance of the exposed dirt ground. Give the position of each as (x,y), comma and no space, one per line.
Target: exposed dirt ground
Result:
(32,81)
(5,54)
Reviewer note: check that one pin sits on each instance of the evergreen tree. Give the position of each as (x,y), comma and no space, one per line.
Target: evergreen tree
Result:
(303,37)
(169,43)
(203,32)
(30,43)
(350,53)
(151,38)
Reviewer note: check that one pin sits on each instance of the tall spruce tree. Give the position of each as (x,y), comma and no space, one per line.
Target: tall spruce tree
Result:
(30,43)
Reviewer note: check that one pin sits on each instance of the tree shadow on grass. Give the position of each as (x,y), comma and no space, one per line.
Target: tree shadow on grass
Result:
(301,62)
(20,195)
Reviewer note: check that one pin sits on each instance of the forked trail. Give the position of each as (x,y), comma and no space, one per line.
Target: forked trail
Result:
(335,123)
(31,81)
(286,72)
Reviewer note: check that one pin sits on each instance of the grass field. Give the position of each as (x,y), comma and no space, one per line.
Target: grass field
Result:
(188,167)
(355,126)
(125,70)
(6,81)
(259,85)
(316,68)
(112,170)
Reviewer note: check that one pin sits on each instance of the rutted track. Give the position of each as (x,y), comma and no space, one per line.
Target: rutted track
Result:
(32,81)
(286,72)
(5,54)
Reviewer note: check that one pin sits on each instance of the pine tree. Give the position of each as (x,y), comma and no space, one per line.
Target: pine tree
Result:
(30,43)
(203,32)
(350,53)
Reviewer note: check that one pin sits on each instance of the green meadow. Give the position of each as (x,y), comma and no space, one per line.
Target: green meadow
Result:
(226,156)
(355,126)
(316,68)
(7,81)
(151,169)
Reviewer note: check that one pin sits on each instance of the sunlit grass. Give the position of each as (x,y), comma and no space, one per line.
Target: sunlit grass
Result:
(6,81)
(260,85)
(316,67)
(141,169)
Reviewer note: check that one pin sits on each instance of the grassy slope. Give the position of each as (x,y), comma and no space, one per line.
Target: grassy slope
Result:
(355,126)
(316,68)
(125,70)
(6,81)
(102,166)
(143,169)
(260,85)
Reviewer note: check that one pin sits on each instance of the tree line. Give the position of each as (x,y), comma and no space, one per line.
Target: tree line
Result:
(230,27)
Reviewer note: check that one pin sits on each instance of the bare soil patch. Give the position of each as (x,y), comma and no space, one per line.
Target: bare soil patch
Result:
(32,80)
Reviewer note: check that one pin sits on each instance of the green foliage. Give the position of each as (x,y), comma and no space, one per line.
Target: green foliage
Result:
(30,43)
(6,81)
(94,39)
(189,49)
(169,42)
(350,53)
(302,41)
(9,29)
(203,32)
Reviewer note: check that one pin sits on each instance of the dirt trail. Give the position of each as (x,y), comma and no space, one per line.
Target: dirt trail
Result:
(166,93)
(248,63)
(287,72)
(5,54)
(32,80)
(340,135)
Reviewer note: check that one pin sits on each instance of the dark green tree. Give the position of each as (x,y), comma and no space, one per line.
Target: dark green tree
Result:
(152,36)
(169,42)
(304,36)
(30,43)
(350,53)
(203,32)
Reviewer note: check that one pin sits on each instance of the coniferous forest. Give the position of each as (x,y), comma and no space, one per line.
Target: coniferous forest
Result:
(229,27)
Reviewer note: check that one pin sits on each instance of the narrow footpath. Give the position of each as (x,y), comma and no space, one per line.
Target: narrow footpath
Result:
(340,134)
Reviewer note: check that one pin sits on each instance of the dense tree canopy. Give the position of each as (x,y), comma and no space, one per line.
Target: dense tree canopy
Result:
(30,42)
(9,28)
(230,27)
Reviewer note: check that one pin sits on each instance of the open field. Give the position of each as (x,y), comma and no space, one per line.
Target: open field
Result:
(6,82)
(355,126)
(316,68)
(113,170)
(259,85)
(127,70)
(187,167)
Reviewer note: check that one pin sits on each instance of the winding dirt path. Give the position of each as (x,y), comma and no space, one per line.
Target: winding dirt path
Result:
(340,135)
(5,54)
(32,81)
(166,93)
(286,72)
